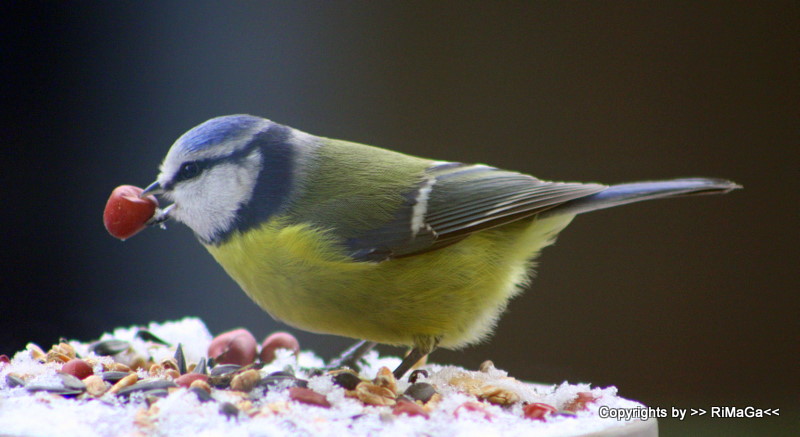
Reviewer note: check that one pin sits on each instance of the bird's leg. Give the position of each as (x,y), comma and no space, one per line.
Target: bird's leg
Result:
(351,356)
(423,345)
(408,362)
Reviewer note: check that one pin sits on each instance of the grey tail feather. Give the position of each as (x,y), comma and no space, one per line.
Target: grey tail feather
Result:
(621,194)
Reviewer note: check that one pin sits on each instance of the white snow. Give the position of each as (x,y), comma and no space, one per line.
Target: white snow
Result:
(42,414)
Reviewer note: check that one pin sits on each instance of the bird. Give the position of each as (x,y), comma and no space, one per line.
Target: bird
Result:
(337,237)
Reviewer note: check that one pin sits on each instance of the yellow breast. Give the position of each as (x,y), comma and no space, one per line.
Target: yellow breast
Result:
(301,276)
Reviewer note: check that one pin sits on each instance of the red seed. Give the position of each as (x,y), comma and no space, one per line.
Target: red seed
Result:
(187,379)
(4,359)
(77,368)
(233,347)
(126,213)
(308,396)
(474,407)
(579,403)
(538,411)
(278,340)
(404,406)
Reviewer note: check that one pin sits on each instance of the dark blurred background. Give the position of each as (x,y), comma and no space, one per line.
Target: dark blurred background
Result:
(687,303)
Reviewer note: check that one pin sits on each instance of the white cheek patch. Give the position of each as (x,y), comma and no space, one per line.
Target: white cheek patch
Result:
(209,203)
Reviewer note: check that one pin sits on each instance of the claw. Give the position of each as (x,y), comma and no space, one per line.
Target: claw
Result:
(161,216)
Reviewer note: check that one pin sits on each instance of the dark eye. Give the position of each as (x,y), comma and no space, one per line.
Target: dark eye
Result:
(188,170)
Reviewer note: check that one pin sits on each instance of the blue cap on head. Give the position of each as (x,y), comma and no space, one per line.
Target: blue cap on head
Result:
(218,130)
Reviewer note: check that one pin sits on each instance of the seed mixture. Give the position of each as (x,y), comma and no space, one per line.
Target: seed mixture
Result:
(175,379)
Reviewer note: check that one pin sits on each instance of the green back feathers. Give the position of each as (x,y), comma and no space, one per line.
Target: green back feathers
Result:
(355,187)
(386,205)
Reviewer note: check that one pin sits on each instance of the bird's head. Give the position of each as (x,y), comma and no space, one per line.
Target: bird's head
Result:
(213,171)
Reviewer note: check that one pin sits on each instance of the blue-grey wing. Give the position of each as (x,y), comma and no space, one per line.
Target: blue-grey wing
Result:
(454,200)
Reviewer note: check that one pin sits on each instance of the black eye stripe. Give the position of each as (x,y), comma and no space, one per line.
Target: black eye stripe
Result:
(191,169)
(188,170)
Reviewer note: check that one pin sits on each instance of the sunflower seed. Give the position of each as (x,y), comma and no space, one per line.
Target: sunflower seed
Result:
(281,380)
(69,386)
(113,376)
(55,389)
(149,336)
(347,380)
(420,391)
(201,367)
(224,369)
(109,347)
(180,359)
(156,393)
(146,386)
(71,382)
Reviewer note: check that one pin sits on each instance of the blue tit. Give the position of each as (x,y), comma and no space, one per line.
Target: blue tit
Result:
(341,238)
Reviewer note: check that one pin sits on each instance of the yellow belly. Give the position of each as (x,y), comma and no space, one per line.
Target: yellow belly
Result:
(298,275)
